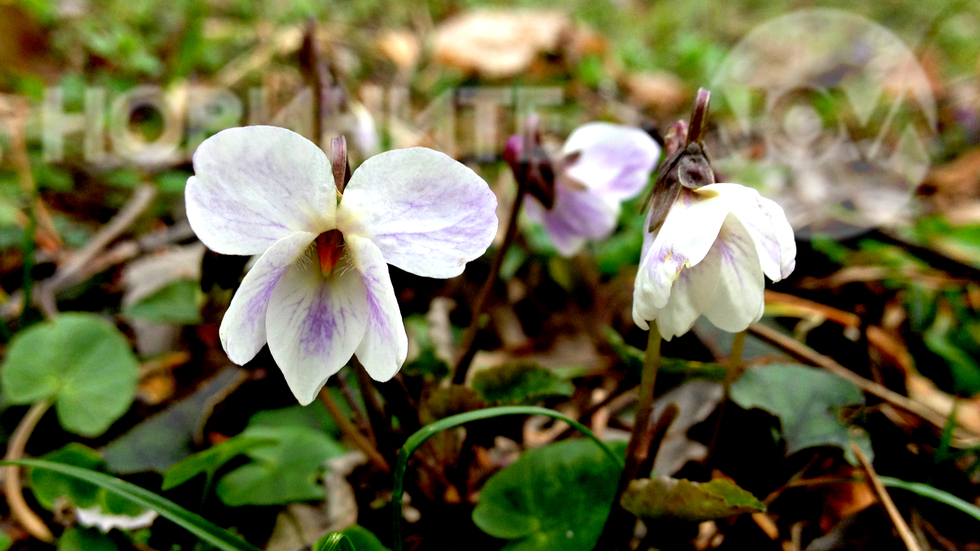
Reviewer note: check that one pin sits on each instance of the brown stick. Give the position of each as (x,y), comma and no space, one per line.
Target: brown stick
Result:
(467,346)
(807,354)
(903,529)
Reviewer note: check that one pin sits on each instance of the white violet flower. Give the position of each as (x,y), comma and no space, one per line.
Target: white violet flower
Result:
(599,166)
(320,292)
(708,258)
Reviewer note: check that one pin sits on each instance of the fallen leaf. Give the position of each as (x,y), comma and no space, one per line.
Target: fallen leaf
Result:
(498,43)
(663,92)
(680,499)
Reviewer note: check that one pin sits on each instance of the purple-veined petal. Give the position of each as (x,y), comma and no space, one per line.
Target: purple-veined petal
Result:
(575,217)
(314,324)
(385,345)
(739,299)
(767,224)
(255,185)
(428,213)
(686,236)
(614,160)
(692,294)
(242,329)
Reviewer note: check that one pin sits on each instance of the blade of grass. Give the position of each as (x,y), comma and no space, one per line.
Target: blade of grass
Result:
(931,492)
(195,524)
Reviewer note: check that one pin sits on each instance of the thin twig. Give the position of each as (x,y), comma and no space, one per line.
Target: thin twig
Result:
(141,199)
(805,353)
(350,431)
(903,529)
(12,488)
(383,432)
(119,253)
(468,344)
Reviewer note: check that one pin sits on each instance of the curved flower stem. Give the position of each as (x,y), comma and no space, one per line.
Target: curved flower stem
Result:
(12,488)
(619,519)
(467,345)
(350,431)
(734,370)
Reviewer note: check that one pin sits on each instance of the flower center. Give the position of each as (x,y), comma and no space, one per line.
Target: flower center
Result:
(329,245)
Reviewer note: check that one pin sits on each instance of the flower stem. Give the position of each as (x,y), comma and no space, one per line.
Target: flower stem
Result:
(619,519)
(380,423)
(350,431)
(734,370)
(12,488)
(468,344)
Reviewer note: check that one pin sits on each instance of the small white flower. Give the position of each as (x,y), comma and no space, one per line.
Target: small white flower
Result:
(606,165)
(321,292)
(708,258)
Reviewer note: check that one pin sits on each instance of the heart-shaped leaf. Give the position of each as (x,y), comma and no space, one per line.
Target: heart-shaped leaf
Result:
(79,361)
(555,497)
(808,403)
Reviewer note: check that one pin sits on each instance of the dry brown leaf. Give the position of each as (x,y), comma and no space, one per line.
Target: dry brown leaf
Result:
(401,47)
(663,92)
(955,179)
(498,43)
(924,391)
(844,499)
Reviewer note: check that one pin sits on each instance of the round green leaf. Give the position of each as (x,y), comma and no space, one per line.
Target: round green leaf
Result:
(81,362)
(555,497)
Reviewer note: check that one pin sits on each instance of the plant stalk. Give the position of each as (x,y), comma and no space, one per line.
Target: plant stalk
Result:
(468,344)
(12,488)
(620,520)
(350,431)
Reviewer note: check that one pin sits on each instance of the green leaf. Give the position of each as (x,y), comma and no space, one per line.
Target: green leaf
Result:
(354,538)
(49,485)
(363,539)
(939,339)
(209,461)
(555,497)
(669,498)
(176,303)
(519,383)
(334,541)
(286,472)
(5,541)
(195,524)
(808,403)
(85,539)
(314,416)
(420,436)
(81,362)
